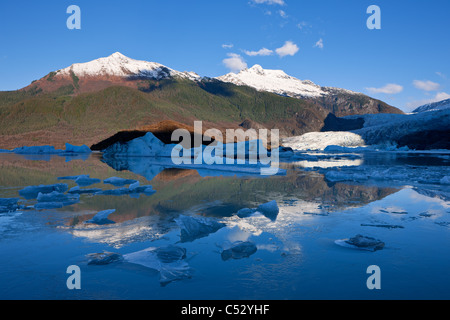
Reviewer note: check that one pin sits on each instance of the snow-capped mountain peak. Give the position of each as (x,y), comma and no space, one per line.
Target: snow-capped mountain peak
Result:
(119,65)
(276,81)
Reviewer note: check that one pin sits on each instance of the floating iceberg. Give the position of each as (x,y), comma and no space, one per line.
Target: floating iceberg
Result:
(77,149)
(70,149)
(362,243)
(104,258)
(102,217)
(84,181)
(55,199)
(146,146)
(9,204)
(270,210)
(239,250)
(133,189)
(31,192)
(78,190)
(37,150)
(321,140)
(193,228)
(73,177)
(119,182)
(169,261)
(237,157)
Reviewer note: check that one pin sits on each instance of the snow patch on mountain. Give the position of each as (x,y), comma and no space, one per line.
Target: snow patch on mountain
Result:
(121,66)
(277,81)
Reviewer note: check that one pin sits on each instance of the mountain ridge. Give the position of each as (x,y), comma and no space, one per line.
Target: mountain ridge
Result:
(87,103)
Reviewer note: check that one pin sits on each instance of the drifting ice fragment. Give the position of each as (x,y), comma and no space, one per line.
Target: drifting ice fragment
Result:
(73,177)
(119,182)
(169,261)
(193,228)
(48,205)
(77,149)
(104,258)
(239,250)
(55,200)
(246,212)
(9,204)
(31,192)
(102,217)
(85,181)
(269,210)
(362,243)
(78,190)
(147,190)
(37,150)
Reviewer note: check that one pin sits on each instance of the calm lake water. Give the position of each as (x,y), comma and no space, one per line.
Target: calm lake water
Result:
(296,256)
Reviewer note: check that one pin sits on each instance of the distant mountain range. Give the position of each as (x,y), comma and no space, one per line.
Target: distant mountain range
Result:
(89,102)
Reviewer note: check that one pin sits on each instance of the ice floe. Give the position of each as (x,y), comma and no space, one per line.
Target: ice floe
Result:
(32,192)
(238,250)
(78,190)
(77,149)
(118,182)
(193,228)
(55,200)
(102,217)
(362,243)
(169,261)
(9,204)
(270,210)
(84,181)
(133,189)
(104,258)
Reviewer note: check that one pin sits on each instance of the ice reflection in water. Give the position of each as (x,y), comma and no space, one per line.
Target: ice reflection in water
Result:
(295,254)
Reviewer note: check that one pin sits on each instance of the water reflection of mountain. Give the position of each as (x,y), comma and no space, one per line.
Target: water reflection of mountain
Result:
(181,190)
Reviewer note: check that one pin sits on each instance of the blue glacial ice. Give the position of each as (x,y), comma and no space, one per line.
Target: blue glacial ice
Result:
(118,182)
(32,192)
(101,217)
(193,228)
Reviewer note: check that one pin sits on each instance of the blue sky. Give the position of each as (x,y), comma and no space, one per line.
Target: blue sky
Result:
(405,63)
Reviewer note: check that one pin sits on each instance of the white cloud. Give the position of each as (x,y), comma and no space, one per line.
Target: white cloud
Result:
(289,49)
(228,46)
(390,88)
(261,52)
(319,44)
(426,85)
(282,14)
(235,62)
(279,2)
(303,24)
(410,106)
(440,74)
